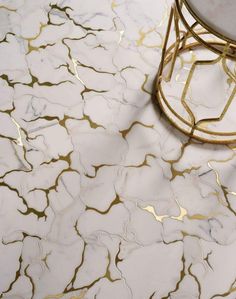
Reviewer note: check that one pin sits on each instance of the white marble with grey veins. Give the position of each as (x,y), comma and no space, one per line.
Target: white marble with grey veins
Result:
(100,197)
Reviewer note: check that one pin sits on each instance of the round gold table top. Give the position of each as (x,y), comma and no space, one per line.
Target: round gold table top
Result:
(218,16)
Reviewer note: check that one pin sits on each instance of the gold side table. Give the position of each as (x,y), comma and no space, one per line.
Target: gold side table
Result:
(196,81)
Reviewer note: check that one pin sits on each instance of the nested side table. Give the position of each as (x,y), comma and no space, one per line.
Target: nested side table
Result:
(196,81)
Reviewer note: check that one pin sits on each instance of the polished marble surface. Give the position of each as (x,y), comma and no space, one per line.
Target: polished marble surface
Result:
(100,196)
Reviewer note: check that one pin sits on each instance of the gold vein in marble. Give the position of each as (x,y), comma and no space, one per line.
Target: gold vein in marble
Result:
(29,40)
(151,297)
(58,296)
(174,171)
(75,71)
(231,290)
(117,259)
(7,8)
(107,275)
(144,163)
(207,259)
(125,132)
(64,9)
(96,169)
(17,275)
(196,280)
(160,218)
(78,63)
(34,80)
(182,276)
(31,281)
(223,188)
(143,88)
(114,202)
(143,35)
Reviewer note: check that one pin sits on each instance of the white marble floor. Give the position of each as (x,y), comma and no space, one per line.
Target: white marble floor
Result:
(99,196)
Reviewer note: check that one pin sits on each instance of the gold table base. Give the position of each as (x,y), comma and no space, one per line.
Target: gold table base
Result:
(192,37)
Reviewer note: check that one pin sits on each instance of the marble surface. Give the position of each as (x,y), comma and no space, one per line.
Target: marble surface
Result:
(100,197)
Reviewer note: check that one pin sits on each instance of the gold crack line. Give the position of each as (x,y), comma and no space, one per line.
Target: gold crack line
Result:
(71,282)
(183,212)
(207,260)
(143,85)
(28,210)
(78,63)
(24,235)
(114,202)
(223,188)
(125,132)
(44,260)
(42,214)
(55,6)
(144,163)
(117,259)
(230,291)
(7,8)
(96,169)
(196,280)
(107,275)
(31,281)
(33,48)
(182,275)
(17,275)
(34,80)
(175,172)
(153,294)
(4,40)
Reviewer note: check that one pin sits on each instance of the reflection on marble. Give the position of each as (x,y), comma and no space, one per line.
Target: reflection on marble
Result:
(100,196)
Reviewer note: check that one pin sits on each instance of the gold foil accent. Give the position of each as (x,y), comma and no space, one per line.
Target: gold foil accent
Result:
(160,218)
(75,71)
(19,139)
(151,210)
(65,9)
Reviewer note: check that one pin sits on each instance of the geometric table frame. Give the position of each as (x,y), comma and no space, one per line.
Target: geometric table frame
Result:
(193,36)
